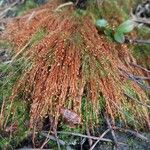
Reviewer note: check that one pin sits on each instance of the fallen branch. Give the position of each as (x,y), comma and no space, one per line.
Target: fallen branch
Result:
(112,132)
(85,136)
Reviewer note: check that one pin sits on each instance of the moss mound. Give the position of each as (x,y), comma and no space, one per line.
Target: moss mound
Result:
(70,62)
(68,73)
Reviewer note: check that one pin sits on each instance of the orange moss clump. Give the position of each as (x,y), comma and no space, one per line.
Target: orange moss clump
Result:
(70,63)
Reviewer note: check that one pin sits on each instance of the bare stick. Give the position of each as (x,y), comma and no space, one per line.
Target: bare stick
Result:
(50,137)
(136,100)
(88,133)
(141,78)
(136,134)
(86,136)
(112,132)
(63,5)
(136,41)
(133,78)
(32,149)
(138,66)
(140,41)
(58,144)
(30,17)
(99,139)
(77,1)
(82,142)
(140,20)
(4,10)
(1,112)
(21,50)
(46,140)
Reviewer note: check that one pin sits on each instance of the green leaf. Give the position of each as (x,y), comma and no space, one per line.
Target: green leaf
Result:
(101,23)
(126,27)
(119,37)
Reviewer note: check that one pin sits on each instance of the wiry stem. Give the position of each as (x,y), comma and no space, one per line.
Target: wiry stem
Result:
(99,139)
(112,132)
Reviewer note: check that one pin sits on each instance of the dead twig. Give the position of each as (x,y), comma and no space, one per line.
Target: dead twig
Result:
(121,110)
(99,139)
(135,79)
(141,78)
(88,133)
(63,5)
(134,133)
(140,67)
(127,95)
(2,112)
(136,41)
(46,140)
(30,17)
(82,142)
(77,1)
(4,10)
(85,136)
(57,140)
(112,132)
(144,21)
(32,149)
(50,137)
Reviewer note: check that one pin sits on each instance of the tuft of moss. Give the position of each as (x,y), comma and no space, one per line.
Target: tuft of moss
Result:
(14,116)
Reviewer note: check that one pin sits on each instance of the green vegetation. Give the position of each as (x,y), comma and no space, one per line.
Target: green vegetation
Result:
(16,121)
(29,4)
(17,116)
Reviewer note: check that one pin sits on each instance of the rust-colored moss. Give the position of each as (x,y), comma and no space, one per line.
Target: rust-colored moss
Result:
(72,61)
